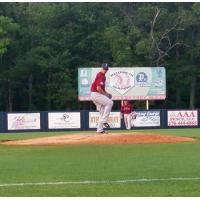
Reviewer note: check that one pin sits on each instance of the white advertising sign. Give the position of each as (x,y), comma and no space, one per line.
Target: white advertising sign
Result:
(114,119)
(64,120)
(23,121)
(182,118)
(147,119)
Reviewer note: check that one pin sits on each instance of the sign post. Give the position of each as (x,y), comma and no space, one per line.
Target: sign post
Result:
(147,104)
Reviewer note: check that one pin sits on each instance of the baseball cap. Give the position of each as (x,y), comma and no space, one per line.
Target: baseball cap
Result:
(105,66)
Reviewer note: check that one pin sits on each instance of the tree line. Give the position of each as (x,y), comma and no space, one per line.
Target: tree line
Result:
(42,45)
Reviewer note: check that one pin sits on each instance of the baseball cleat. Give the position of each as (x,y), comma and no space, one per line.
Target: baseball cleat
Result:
(102,132)
(106,125)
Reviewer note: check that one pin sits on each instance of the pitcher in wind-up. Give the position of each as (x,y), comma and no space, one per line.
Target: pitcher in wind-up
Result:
(101,98)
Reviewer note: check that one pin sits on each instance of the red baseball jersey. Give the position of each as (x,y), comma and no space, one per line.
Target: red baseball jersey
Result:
(126,109)
(99,81)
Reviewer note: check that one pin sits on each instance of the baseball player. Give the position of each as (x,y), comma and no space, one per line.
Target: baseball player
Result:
(101,98)
(127,111)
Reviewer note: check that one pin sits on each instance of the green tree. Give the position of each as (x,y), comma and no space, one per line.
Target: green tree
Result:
(42,45)
(8,30)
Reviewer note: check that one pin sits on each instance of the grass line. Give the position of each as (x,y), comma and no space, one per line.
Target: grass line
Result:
(101,182)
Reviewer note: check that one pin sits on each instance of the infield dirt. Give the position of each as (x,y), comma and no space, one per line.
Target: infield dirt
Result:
(119,138)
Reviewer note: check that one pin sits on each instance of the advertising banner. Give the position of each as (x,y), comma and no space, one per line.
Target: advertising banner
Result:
(114,119)
(64,120)
(182,118)
(147,119)
(23,121)
(134,83)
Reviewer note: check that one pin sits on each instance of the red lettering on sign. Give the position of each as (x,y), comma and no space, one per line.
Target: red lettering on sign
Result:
(186,114)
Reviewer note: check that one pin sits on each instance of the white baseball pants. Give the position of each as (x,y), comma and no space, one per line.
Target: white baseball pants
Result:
(127,121)
(104,106)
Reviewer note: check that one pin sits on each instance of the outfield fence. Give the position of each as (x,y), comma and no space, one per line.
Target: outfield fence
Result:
(87,120)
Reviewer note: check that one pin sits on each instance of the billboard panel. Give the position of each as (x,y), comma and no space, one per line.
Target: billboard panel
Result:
(147,119)
(64,120)
(182,118)
(23,121)
(114,119)
(134,83)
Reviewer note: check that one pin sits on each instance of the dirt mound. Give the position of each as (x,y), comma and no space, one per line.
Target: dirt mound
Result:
(131,138)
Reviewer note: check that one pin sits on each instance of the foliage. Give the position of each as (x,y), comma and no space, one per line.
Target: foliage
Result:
(7,30)
(43,44)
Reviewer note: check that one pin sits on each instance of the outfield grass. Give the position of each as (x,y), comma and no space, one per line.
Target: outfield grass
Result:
(107,163)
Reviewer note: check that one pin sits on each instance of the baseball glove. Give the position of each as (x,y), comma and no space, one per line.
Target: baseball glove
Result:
(109,96)
(133,115)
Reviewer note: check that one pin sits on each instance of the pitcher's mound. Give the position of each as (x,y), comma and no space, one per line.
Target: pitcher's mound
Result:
(131,138)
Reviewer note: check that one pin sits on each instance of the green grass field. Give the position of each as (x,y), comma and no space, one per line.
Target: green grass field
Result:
(144,170)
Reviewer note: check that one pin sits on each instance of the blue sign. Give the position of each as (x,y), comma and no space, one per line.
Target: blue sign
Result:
(141,77)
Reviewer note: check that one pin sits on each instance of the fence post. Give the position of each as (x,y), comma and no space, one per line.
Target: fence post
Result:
(44,121)
(163,118)
(86,117)
(82,112)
